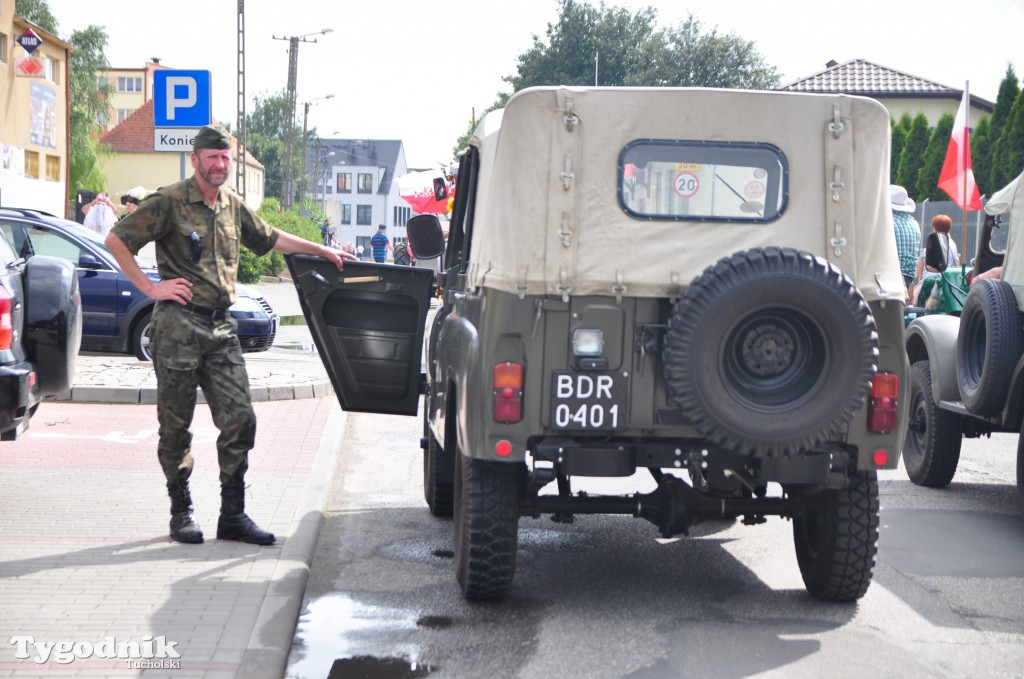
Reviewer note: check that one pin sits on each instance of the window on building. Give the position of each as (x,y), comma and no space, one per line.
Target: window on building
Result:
(364,215)
(53,70)
(53,168)
(129,84)
(344,182)
(330,189)
(123,113)
(3,48)
(346,214)
(102,118)
(32,164)
(365,183)
(402,215)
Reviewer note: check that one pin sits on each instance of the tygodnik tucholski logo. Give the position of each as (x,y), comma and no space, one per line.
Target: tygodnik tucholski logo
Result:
(149,653)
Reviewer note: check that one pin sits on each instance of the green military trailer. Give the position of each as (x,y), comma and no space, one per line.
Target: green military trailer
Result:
(698,283)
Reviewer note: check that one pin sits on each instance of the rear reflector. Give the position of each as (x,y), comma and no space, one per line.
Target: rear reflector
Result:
(508,392)
(882,413)
(881,458)
(6,319)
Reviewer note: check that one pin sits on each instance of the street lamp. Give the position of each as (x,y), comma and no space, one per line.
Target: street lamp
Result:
(305,142)
(288,195)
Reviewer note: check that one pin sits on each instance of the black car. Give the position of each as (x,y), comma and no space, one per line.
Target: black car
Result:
(40,334)
(116,315)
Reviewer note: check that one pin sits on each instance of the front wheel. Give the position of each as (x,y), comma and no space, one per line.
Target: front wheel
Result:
(837,538)
(141,336)
(486,526)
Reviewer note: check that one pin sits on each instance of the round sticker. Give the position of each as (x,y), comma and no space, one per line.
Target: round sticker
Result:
(753,189)
(687,184)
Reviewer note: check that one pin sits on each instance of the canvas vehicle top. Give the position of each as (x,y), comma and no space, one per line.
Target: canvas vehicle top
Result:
(702,283)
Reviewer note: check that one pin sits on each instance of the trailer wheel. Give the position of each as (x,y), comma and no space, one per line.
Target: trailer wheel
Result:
(837,539)
(486,526)
(988,345)
(931,449)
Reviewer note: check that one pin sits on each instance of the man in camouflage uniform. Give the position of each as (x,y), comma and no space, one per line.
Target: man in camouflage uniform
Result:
(198,228)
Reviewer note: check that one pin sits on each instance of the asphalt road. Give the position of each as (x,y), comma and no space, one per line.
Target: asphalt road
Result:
(604,597)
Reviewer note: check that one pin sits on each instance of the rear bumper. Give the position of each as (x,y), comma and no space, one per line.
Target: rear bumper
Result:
(19,393)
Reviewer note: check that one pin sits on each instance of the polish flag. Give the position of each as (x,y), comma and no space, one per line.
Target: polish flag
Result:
(957,178)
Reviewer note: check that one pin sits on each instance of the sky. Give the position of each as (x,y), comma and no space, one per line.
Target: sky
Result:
(416,70)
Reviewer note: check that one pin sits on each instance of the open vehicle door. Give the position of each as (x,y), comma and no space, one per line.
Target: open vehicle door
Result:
(367,322)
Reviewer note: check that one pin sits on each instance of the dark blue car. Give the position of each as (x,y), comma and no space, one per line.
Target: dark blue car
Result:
(115,314)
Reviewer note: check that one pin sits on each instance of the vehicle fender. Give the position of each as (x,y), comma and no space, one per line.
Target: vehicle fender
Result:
(932,338)
(458,350)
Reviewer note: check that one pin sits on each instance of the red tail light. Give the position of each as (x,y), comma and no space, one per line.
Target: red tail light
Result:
(508,392)
(6,319)
(882,413)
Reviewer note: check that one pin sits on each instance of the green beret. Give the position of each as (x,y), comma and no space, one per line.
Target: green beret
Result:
(211,138)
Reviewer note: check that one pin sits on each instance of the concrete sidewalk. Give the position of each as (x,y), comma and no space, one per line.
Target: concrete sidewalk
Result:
(84,551)
(85,558)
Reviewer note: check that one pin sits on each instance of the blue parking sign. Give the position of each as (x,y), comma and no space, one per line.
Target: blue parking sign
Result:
(181,98)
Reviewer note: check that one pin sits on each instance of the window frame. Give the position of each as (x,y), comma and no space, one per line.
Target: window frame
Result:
(702,149)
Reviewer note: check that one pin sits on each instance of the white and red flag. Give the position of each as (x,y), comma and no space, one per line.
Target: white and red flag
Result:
(957,178)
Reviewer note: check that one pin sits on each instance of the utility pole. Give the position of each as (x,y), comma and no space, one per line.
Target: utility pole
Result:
(240,126)
(305,144)
(287,189)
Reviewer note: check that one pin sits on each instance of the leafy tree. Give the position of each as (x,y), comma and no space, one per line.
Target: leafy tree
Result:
(265,131)
(38,12)
(913,153)
(898,134)
(981,156)
(931,162)
(698,59)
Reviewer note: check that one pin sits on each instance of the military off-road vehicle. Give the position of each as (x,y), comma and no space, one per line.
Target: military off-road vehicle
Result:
(699,283)
(967,373)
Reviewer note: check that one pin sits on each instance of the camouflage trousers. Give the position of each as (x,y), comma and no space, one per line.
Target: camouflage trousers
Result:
(190,350)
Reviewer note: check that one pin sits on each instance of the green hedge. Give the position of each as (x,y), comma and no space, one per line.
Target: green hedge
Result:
(251,267)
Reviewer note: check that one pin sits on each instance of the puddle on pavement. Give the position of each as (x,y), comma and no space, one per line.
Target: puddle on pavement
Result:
(335,631)
(291,320)
(367,667)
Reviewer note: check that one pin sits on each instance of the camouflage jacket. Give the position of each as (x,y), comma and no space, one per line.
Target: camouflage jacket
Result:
(171,216)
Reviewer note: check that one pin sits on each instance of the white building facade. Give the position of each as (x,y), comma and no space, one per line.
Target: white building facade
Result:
(357,189)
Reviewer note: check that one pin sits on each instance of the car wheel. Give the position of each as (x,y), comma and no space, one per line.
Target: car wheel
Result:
(931,449)
(770,350)
(438,488)
(836,539)
(141,337)
(486,526)
(988,346)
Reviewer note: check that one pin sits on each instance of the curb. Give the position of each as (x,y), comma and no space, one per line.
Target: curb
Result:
(266,653)
(147,395)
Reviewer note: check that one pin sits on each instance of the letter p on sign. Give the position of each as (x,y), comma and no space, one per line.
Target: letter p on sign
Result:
(181,98)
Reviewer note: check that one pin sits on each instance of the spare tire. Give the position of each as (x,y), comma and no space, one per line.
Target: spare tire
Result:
(770,350)
(53,321)
(988,346)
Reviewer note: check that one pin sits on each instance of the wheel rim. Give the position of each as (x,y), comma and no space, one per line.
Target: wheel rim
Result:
(774,359)
(144,340)
(974,351)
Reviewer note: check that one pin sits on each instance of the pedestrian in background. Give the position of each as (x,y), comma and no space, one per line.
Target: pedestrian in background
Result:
(100,214)
(198,227)
(380,244)
(133,199)
(908,234)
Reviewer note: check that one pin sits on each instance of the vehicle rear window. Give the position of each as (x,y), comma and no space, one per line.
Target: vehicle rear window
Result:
(703,180)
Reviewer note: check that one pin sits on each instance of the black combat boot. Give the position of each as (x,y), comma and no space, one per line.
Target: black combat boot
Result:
(183,527)
(233,523)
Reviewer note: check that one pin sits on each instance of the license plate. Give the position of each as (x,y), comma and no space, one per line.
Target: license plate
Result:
(588,401)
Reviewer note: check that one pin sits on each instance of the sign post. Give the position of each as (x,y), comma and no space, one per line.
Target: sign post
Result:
(181,105)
